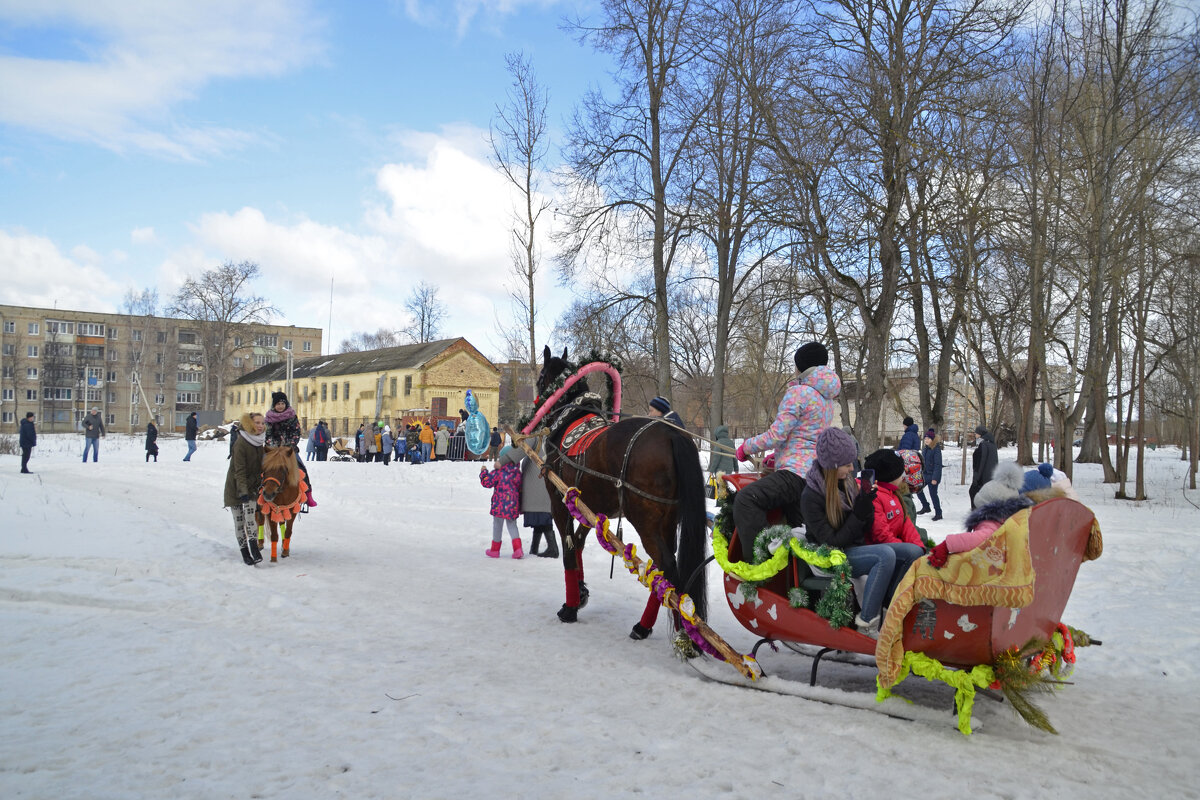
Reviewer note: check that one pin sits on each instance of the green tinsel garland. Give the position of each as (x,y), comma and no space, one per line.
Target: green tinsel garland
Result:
(835,604)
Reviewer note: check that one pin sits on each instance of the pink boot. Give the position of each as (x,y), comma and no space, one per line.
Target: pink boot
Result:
(493,551)
(517,551)
(308,498)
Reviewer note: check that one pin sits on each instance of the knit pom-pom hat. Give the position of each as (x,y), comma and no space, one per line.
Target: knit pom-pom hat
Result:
(1037,479)
(661,404)
(278,397)
(836,448)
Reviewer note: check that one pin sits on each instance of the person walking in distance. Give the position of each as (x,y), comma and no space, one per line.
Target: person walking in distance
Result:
(28,441)
(983,461)
(151,441)
(93,429)
(190,435)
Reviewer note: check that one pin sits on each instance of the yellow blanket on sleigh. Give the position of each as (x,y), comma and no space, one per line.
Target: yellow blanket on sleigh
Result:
(997,573)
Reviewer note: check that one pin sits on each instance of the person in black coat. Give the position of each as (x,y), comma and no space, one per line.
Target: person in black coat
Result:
(28,441)
(190,431)
(983,461)
(151,441)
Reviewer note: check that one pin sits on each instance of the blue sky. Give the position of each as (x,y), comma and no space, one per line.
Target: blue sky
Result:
(143,141)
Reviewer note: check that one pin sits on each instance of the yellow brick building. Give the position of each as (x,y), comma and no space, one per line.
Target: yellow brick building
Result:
(416,380)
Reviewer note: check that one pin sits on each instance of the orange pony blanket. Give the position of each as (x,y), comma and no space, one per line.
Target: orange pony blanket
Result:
(997,573)
(276,513)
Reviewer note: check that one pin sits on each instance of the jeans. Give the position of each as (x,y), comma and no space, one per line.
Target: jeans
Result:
(191,443)
(25,451)
(884,565)
(933,496)
(93,445)
(426,447)
(921,496)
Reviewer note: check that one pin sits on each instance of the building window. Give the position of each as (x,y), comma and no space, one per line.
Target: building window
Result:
(237,361)
(10,327)
(112,396)
(260,361)
(287,344)
(112,419)
(10,349)
(66,350)
(136,418)
(137,336)
(323,393)
(334,395)
(32,351)
(9,416)
(56,394)
(159,399)
(112,333)
(187,397)
(54,326)
(162,337)
(158,377)
(8,372)
(267,340)
(31,373)
(112,354)
(158,358)
(91,329)
(31,394)
(93,395)
(407,385)
(8,394)
(237,341)
(187,337)
(112,375)
(91,351)
(34,329)
(393,387)
(239,397)
(304,392)
(187,377)
(307,347)
(346,390)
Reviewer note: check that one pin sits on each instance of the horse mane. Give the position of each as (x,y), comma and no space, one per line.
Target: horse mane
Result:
(279,458)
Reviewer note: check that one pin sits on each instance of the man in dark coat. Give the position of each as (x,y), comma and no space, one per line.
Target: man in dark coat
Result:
(28,441)
(661,407)
(723,458)
(983,462)
(93,429)
(190,435)
(911,440)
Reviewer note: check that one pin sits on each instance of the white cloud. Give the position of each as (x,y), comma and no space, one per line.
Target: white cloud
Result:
(143,236)
(433,13)
(139,58)
(43,276)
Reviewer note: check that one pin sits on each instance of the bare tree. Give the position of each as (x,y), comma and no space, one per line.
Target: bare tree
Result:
(427,311)
(519,145)
(219,302)
(362,340)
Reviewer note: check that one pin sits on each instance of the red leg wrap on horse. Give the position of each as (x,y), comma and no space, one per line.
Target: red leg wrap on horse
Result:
(571,579)
(651,613)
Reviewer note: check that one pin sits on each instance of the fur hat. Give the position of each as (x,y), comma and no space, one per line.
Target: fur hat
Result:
(1006,483)
(836,448)
(887,464)
(661,404)
(278,397)
(811,355)
(1036,479)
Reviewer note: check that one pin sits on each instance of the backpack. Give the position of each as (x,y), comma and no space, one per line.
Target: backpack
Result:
(913,469)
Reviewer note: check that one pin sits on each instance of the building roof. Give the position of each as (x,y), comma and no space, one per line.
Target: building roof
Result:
(406,356)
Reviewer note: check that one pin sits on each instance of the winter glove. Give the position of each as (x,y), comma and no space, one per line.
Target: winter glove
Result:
(938,555)
(864,506)
(741,452)
(244,498)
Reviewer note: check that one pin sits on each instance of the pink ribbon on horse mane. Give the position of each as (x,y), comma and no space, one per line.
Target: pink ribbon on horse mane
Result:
(582,372)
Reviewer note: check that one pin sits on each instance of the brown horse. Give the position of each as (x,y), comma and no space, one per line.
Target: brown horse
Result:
(641,469)
(280,497)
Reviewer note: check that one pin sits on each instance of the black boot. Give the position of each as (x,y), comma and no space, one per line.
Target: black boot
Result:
(551,550)
(537,539)
(249,559)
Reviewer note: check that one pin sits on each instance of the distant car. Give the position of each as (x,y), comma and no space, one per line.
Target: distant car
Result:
(1078,442)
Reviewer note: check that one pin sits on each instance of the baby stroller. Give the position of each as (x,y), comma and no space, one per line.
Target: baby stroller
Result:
(341,452)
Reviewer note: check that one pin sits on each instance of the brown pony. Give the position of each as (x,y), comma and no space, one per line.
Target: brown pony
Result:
(280,497)
(641,469)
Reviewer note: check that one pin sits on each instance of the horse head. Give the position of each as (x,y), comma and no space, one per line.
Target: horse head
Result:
(279,470)
(553,368)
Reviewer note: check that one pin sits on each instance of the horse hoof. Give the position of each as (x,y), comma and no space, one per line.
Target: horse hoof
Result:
(583,594)
(568,613)
(284,554)
(273,559)
(638,633)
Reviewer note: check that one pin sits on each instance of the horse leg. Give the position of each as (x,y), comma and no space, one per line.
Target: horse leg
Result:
(643,627)
(274,540)
(287,539)
(576,591)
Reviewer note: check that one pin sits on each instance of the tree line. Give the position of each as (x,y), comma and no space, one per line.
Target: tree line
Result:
(996,190)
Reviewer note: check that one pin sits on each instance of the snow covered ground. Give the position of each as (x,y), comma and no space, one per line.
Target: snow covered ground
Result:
(388,658)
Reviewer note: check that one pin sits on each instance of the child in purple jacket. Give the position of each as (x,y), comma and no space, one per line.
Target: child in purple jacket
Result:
(505,483)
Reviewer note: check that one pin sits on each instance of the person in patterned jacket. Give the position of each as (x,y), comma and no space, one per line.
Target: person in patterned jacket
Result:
(505,483)
(283,430)
(807,408)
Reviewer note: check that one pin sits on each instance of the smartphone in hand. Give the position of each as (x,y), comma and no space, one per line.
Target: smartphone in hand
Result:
(866,479)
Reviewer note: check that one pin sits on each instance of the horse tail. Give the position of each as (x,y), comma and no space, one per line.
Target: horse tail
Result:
(693,528)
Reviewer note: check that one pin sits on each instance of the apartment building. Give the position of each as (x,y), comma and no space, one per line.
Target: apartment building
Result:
(59,363)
